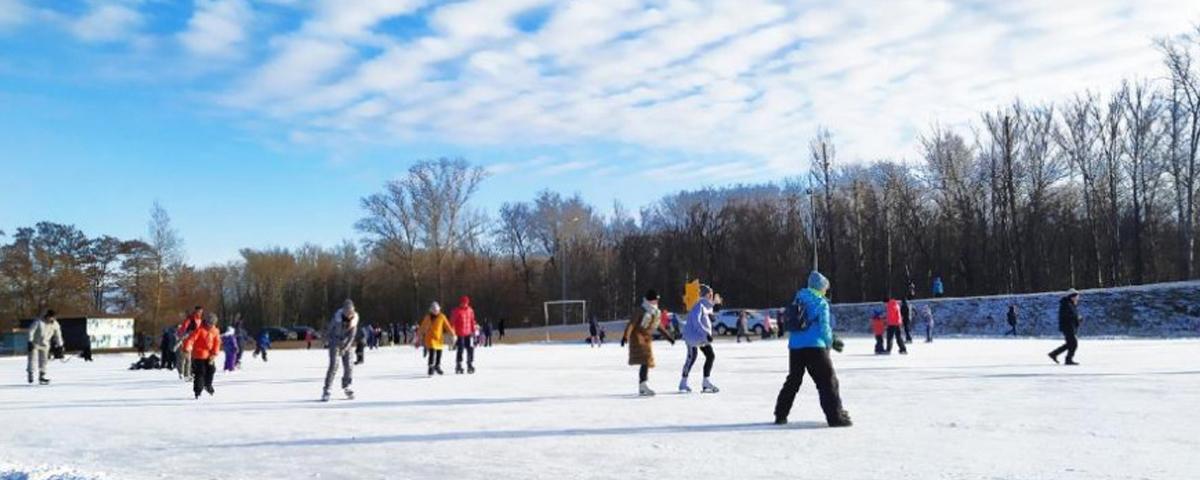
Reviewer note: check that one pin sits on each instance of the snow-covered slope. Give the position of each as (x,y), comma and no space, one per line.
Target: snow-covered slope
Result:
(1158,310)
(954,409)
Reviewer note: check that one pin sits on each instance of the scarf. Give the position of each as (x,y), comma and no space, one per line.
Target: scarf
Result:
(650,315)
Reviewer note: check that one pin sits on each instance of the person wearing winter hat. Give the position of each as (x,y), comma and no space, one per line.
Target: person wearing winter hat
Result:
(433,330)
(339,341)
(1068,324)
(878,328)
(229,344)
(44,334)
(465,328)
(639,333)
(698,335)
(808,350)
(204,343)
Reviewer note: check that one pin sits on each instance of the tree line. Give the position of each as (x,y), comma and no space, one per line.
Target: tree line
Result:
(1094,190)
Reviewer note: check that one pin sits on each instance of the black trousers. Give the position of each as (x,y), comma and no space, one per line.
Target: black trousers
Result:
(643,373)
(358,353)
(879,344)
(1069,347)
(908,330)
(465,343)
(709,357)
(435,358)
(202,375)
(819,366)
(893,333)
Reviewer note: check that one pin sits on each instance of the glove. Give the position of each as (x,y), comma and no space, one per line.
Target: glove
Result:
(838,344)
(671,339)
(710,339)
(623,343)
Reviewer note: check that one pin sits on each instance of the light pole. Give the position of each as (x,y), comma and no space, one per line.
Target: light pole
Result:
(812,212)
(563,266)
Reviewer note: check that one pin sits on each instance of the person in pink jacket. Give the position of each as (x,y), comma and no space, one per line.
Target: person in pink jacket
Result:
(894,324)
(463,322)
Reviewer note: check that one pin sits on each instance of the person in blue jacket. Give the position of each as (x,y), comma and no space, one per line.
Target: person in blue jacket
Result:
(262,344)
(809,350)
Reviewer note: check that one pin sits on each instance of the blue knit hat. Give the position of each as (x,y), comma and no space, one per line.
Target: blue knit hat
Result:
(818,282)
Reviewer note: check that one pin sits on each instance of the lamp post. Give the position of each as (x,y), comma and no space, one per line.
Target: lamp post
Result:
(563,266)
(812,212)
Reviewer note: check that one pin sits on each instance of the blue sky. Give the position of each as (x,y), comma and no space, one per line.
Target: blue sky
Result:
(261,123)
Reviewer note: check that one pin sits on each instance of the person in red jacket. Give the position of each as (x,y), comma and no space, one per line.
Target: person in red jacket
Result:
(878,328)
(894,323)
(190,324)
(463,322)
(204,343)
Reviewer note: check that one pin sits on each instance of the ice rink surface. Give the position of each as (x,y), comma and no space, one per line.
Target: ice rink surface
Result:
(953,409)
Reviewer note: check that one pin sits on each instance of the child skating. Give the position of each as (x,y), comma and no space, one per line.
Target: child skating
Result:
(639,333)
(878,328)
(229,344)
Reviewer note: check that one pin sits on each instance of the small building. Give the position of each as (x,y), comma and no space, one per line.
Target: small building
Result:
(101,332)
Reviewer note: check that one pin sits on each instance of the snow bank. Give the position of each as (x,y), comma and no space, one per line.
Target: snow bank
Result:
(1158,310)
(43,472)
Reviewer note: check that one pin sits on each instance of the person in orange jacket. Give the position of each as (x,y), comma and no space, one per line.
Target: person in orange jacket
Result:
(878,328)
(463,321)
(190,323)
(431,333)
(204,343)
(894,323)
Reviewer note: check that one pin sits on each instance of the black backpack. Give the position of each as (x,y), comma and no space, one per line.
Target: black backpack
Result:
(795,317)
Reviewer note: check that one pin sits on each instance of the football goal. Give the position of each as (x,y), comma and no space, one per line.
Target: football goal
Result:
(564,312)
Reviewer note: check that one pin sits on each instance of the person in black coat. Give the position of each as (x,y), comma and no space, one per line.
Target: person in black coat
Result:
(1068,324)
(906,315)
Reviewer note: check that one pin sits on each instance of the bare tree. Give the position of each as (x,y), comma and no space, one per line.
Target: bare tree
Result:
(1183,159)
(1143,107)
(1077,138)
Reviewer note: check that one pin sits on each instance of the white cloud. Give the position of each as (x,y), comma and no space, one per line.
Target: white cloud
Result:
(107,23)
(748,80)
(13,13)
(218,28)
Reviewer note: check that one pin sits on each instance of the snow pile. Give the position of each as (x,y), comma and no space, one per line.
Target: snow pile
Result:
(1158,310)
(43,472)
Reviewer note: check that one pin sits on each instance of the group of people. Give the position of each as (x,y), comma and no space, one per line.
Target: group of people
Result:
(894,322)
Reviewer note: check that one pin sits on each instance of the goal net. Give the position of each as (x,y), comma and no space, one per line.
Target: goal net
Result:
(565,312)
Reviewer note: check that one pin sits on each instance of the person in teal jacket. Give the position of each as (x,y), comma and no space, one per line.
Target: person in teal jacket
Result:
(808,350)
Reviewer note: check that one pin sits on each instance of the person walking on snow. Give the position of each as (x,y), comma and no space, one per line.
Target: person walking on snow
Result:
(894,323)
(262,344)
(203,343)
(698,335)
(1012,320)
(639,333)
(44,334)
(742,331)
(878,328)
(431,334)
(340,334)
(465,328)
(1068,324)
(808,350)
(229,345)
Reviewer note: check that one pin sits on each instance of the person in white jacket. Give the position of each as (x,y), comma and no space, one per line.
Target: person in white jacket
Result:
(44,333)
(339,339)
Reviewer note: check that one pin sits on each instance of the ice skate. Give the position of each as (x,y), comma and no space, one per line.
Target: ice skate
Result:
(1052,357)
(458,370)
(210,390)
(349,394)
(709,387)
(644,390)
(324,396)
(781,420)
(431,371)
(1071,362)
(42,380)
(470,370)
(683,386)
(439,370)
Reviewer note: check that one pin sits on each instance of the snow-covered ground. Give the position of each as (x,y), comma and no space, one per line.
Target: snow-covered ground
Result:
(954,409)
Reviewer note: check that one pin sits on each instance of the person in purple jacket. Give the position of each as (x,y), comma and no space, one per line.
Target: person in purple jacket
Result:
(229,345)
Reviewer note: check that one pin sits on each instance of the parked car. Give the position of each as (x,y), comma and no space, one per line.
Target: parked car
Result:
(303,330)
(277,334)
(757,321)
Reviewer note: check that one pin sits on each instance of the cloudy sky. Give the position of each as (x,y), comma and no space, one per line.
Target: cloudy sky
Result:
(261,123)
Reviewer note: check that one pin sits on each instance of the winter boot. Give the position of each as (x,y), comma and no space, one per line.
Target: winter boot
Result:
(842,419)
(458,369)
(324,396)
(471,369)
(1052,357)
(644,390)
(42,380)
(683,386)
(30,377)
(1071,362)
(780,420)
(709,387)
(439,370)
(349,394)
(209,389)
(431,371)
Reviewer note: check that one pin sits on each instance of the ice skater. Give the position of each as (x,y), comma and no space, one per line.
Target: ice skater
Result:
(360,345)
(906,314)
(894,324)
(465,328)
(1012,320)
(1068,324)
(339,340)
(878,328)
(742,330)
(262,344)
(639,333)
(698,336)
(431,333)
(229,345)
(44,334)
(189,325)
(808,350)
(593,333)
(204,343)
(167,345)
